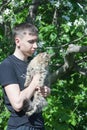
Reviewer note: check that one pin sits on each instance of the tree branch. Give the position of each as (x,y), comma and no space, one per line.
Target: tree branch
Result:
(80,70)
(55,17)
(69,62)
(33,9)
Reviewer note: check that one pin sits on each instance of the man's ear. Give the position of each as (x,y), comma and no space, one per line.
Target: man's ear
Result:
(17,41)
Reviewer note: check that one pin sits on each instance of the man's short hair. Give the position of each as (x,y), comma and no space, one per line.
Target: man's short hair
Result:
(23,28)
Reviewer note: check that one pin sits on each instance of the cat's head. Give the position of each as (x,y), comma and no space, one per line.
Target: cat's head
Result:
(44,58)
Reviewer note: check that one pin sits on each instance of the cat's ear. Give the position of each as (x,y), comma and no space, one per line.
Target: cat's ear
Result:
(44,54)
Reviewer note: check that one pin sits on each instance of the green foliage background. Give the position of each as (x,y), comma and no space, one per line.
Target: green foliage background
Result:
(67,109)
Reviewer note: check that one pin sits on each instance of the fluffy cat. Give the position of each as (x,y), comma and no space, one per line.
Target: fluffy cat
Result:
(39,64)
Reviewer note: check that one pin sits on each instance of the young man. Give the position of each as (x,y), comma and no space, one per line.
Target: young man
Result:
(12,78)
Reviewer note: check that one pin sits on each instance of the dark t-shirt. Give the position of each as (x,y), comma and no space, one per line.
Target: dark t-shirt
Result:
(12,71)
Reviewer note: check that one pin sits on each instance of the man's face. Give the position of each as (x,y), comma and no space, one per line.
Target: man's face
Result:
(28,44)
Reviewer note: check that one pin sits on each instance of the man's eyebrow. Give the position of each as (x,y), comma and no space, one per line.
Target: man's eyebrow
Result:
(32,40)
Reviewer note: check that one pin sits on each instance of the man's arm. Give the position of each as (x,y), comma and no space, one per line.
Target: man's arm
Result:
(17,97)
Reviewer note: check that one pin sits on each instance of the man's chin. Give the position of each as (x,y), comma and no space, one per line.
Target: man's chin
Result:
(30,54)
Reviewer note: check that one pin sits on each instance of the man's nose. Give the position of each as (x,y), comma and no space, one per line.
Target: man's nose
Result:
(35,45)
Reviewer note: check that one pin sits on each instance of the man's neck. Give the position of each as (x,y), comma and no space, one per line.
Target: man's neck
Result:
(19,55)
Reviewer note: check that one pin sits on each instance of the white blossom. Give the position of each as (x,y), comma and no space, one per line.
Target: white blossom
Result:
(22,1)
(13,2)
(7,12)
(57,4)
(61,50)
(1,19)
(79,22)
(86,113)
(39,17)
(82,22)
(69,24)
(41,43)
(53,2)
(69,4)
(85,31)
(76,22)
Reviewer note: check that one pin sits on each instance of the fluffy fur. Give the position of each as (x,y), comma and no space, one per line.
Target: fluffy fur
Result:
(39,64)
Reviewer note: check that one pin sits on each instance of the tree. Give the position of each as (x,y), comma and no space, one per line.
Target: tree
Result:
(63,31)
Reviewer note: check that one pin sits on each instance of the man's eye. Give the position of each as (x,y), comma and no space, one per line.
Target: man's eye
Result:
(32,41)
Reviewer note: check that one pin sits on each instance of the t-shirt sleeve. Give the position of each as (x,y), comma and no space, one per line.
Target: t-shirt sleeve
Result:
(7,74)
